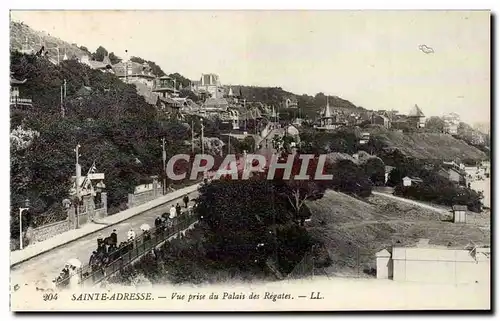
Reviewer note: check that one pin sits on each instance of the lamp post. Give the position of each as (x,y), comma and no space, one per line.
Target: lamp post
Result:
(164,157)
(192,137)
(77,184)
(21,210)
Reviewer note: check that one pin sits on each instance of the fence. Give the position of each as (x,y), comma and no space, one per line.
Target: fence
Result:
(127,254)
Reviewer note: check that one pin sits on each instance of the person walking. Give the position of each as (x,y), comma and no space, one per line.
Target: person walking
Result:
(186,201)
(130,235)
(173,211)
(178,209)
(114,238)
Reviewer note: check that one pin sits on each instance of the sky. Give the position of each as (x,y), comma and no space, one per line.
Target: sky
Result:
(372,58)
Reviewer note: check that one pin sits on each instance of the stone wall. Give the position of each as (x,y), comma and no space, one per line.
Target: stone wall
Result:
(137,199)
(88,211)
(47,231)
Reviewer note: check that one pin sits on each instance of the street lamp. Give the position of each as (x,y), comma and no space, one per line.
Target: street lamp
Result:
(164,157)
(21,210)
(77,183)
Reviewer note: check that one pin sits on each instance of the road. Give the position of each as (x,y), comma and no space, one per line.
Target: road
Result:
(47,266)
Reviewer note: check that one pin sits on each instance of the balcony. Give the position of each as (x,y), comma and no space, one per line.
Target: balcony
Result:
(15,101)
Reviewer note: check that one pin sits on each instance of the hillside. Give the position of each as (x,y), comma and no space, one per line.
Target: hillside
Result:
(347,225)
(19,33)
(309,105)
(426,145)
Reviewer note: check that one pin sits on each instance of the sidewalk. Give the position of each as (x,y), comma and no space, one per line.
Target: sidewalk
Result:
(36,249)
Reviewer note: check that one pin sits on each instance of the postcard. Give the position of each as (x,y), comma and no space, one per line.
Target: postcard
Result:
(250,160)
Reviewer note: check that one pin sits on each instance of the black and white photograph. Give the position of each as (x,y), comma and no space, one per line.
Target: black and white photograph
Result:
(250,160)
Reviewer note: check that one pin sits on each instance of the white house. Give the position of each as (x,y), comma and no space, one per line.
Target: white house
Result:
(408,181)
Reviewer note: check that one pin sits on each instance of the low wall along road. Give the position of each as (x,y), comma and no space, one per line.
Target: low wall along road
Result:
(36,249)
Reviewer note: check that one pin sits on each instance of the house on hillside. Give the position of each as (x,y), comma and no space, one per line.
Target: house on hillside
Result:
(409,181)
(164,86)
(104,66)
(451,122)
(453,175)
(416,117)
(15,97)
(170,105)
(380,119)
(291,103)
(329,118)
(209,84)
(130,72)
(215,104)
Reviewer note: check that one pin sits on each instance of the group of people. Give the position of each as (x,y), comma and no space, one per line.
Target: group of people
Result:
(167,219)
(109,251)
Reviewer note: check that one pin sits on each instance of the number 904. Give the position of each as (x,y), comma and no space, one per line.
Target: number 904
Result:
(50,296)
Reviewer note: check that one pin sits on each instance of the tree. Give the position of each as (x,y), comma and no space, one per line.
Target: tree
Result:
(375,170)
(85,50)
(99,54)
(435,124)
(114,58)
(297,191)
(234,229)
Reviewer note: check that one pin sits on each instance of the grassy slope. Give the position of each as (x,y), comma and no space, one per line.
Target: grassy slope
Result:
(347,225)
(428,145)
(19,32)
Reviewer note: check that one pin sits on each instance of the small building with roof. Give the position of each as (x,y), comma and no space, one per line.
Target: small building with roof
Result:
(130,71)
(416,117)
(16,99)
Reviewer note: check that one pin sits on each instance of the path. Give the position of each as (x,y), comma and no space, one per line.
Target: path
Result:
(416,203)
(48,265)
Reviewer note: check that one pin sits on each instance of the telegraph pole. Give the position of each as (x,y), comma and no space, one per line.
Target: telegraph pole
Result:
(192,137)
(77,184)
(246,115)
(62,103)
(202,130)
(164,156)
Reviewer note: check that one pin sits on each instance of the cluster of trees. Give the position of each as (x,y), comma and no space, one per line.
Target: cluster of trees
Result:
(434,188)
(100,53)
(154,67)
(309,105)
(115,126)
(344,140)
(442,192)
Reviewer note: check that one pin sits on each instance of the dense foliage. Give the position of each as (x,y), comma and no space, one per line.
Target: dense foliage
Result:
(115,127)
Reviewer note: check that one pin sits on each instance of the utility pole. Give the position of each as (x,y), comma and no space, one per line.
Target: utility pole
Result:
(62,103)
(192,136)
(77,184)
(229,144)
(202,132)
(64,88)
(164,157)
(246,115)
